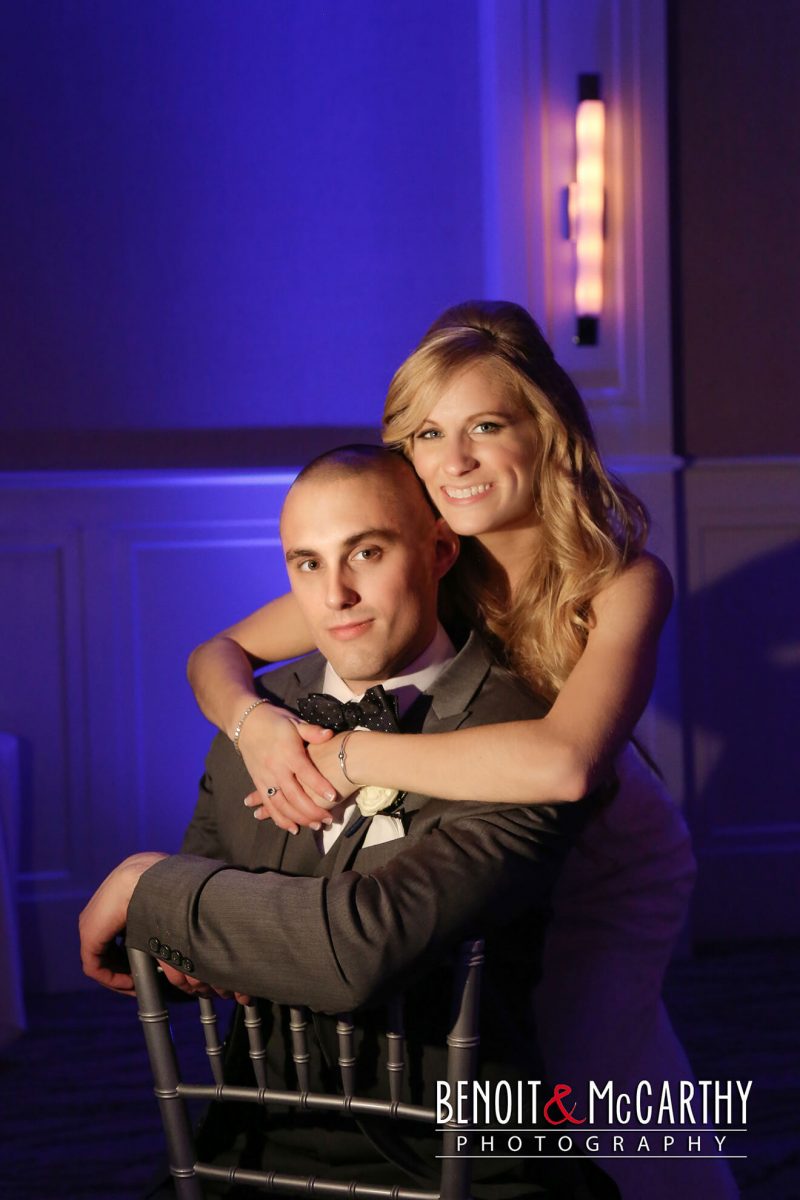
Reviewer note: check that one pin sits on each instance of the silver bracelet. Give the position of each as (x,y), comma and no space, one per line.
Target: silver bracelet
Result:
(242,719)
(342,756)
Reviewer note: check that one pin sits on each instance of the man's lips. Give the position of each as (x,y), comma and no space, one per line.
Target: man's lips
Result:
(352,629)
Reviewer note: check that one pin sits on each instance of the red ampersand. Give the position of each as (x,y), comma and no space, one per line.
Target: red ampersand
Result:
(559,1092)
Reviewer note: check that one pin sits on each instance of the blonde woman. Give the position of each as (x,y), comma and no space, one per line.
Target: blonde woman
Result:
(553,570)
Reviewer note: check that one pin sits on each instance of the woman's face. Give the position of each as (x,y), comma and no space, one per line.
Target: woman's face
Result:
(475,453)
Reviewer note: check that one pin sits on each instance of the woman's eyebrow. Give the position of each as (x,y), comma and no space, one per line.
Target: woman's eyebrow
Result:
(480,412)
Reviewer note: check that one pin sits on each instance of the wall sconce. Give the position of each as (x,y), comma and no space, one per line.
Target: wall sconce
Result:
(586,209)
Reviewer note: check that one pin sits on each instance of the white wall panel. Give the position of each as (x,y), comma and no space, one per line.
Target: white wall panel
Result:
(42,694)
(167,622)
(106,584)
(742,693)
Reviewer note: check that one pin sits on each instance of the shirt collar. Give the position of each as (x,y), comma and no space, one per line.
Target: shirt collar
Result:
(406,685)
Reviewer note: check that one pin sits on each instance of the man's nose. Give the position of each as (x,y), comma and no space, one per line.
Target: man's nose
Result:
(340,592)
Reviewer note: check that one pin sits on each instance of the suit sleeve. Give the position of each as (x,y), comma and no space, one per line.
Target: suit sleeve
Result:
(335,944)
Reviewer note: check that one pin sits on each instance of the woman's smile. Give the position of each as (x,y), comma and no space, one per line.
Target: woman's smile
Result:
(476,491)
(476,453)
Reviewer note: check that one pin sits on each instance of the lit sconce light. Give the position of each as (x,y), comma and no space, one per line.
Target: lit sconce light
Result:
(586,209)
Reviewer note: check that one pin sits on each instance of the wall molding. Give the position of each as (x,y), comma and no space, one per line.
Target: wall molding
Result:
(532,53)
(133,449)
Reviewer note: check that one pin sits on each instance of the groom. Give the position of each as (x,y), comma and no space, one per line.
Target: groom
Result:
(343,917)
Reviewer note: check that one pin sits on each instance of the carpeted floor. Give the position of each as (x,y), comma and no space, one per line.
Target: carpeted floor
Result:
(66,1130)
(737,1010)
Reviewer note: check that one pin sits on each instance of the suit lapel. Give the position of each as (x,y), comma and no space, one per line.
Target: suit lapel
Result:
(306,676)
(449,701)
(454,690)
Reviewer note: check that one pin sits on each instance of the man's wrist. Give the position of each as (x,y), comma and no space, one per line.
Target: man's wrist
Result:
(136,865)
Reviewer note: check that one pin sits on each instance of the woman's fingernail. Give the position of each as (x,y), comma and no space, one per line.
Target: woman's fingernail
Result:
(327,822)
(330,796)
(247,802)
(294,831)
(315,825)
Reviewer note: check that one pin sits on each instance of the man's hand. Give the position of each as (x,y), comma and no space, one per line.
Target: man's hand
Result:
(104,919)
(196,987)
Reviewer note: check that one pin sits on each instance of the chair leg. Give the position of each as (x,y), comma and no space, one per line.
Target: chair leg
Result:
(462,1058)
(174,1115)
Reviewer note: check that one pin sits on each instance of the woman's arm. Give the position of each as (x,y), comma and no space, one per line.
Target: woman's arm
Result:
(271,740)
(220,670)
(561,756)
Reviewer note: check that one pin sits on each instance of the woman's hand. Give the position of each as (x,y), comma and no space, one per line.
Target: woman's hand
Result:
(273,745)
(325,757)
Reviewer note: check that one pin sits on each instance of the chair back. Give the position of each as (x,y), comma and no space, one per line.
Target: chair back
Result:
(172,1092)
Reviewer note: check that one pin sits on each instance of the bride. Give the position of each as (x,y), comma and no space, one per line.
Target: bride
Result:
(554,572)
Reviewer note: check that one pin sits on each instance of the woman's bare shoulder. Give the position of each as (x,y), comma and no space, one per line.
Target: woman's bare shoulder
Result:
(641,595)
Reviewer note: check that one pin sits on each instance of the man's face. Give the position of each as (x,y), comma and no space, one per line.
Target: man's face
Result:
(364,555)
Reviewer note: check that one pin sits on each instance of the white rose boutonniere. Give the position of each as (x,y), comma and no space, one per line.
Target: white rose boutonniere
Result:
(372,800)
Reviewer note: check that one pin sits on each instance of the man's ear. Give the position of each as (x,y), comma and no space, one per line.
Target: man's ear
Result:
(446,547)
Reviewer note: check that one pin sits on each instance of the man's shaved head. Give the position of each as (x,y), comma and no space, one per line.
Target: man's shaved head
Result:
(365,551)
(364,460)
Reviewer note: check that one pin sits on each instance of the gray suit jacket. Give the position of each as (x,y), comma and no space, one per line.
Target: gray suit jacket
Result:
(336,932)
(256,909)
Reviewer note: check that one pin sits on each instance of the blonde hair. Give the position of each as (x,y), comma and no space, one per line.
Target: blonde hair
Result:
(592,525)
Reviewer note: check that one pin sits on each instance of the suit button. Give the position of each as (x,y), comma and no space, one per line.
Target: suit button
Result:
(176,957)
(154,945)
(188,966)
(164,952)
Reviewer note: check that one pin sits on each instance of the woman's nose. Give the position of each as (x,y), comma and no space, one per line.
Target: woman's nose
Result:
(458,457)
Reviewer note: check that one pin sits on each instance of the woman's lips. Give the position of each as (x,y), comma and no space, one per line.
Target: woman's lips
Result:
(353,629)
(469,494)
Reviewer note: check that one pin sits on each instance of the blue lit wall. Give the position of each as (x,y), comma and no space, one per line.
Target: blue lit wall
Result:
(231,214)
(243,213)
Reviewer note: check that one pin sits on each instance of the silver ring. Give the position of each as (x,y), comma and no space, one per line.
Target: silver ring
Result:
(272,791)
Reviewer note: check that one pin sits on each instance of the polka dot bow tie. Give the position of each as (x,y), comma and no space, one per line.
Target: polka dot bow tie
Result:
(377,710)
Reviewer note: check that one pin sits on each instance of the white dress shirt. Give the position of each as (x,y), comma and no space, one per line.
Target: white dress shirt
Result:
(418,677)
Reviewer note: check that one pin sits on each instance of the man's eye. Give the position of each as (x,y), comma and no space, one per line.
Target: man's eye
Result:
(308,564)
(367,553)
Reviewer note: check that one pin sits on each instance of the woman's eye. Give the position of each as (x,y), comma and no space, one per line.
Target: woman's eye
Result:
(427,435)
(487,426)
